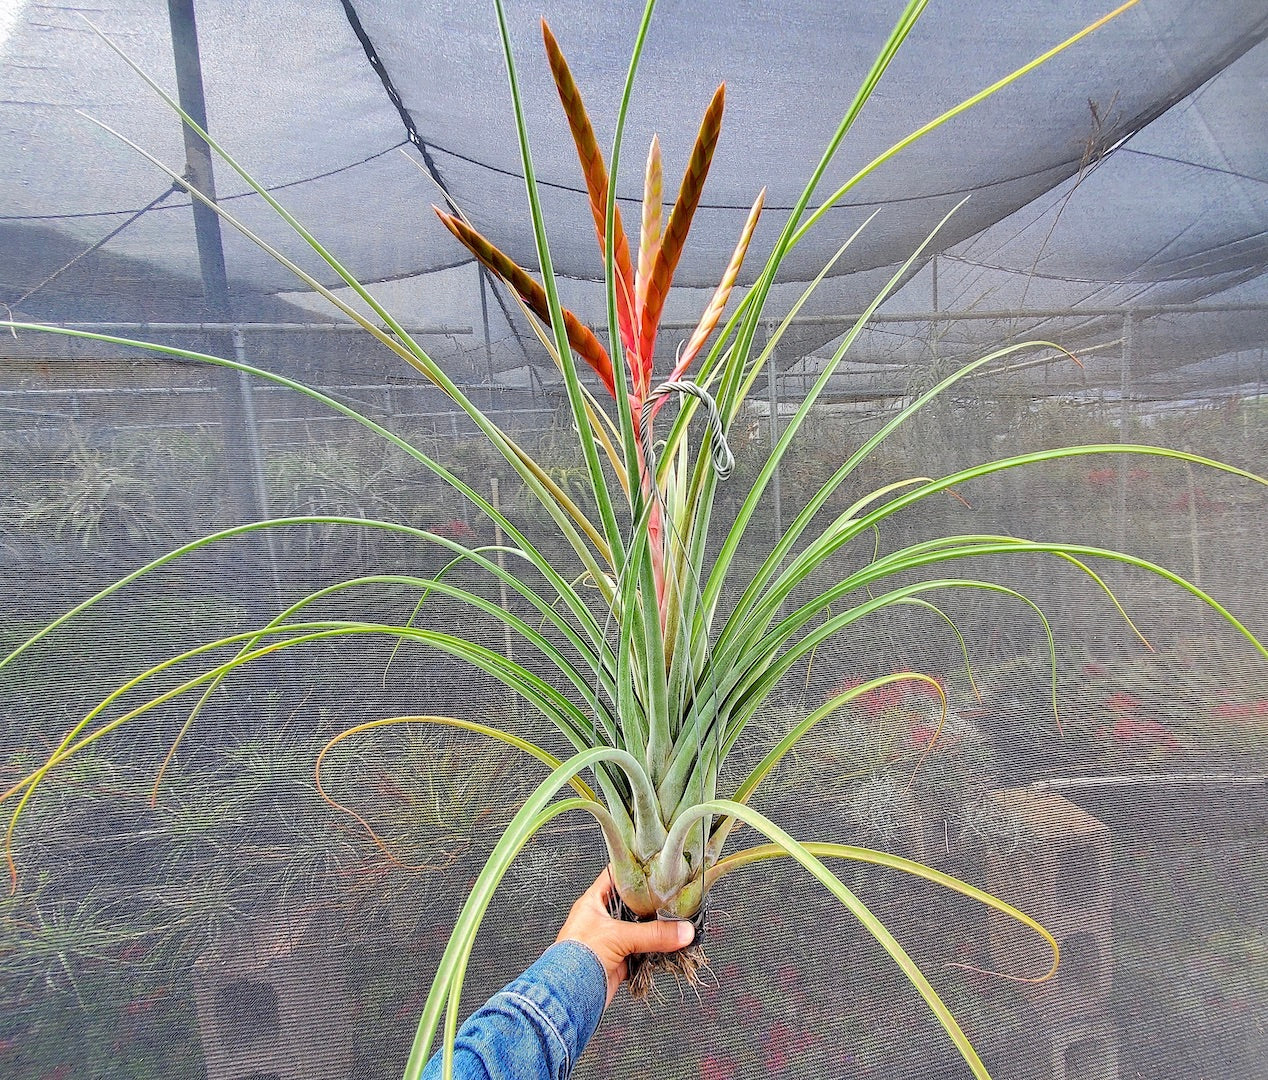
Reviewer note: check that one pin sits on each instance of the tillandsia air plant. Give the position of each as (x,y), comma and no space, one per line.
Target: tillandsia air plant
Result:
(660,677)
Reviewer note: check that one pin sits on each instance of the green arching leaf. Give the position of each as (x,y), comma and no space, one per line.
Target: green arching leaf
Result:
(583,685)
(571,379)
(448,978)
(760,669)
(601,670)
(510,739)
(617,826)
(765,852)
(991,538)
(458,969)
(927,605)
(951,113)
(878,571)
(794,532)
(574,602)
(761,288)
(759,677)
(755,368)
(762,770)
(559,710)
(839,534)
(404,346)
(837,701)
(856,907)
(731,544)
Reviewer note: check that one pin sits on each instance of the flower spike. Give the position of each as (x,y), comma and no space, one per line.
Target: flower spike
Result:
(723,292)
(596,174)
(679,222)
(580,337)
(649,239)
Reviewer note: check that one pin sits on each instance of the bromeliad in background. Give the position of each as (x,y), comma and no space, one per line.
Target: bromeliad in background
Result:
(663,677)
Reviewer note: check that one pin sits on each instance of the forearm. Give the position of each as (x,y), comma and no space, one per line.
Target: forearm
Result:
(537,1026)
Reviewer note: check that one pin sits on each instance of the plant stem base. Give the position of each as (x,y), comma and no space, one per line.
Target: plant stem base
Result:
(687,964)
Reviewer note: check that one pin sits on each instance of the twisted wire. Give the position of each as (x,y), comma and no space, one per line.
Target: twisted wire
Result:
(720,450)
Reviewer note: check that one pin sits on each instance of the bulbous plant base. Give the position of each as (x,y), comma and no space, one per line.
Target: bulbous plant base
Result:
(686,964)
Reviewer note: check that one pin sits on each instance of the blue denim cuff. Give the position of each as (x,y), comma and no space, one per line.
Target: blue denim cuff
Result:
(570,989)
(538,1025)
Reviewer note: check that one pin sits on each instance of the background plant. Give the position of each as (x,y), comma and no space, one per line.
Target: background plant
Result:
(661,677)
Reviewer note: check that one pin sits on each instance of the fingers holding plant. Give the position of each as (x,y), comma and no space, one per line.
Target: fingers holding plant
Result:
(611,939)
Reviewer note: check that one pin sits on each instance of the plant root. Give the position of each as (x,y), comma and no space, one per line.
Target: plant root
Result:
(688,964)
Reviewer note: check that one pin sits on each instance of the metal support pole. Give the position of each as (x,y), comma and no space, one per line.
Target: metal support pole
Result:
(1124,421)
(211,257)
(484,318)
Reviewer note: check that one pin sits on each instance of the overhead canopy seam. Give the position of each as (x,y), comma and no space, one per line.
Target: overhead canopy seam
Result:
(185,203)
(371,54)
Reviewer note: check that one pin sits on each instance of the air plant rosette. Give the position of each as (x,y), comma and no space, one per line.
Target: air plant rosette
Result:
(658,674)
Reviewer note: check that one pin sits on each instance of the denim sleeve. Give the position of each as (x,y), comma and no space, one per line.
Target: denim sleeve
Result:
(535,1028)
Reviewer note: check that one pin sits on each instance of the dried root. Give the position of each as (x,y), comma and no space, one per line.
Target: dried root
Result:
(687,964)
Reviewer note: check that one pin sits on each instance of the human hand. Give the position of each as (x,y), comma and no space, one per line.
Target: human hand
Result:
(612,940)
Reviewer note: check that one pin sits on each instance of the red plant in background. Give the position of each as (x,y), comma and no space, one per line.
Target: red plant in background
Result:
(783,1043)
(1229,710)
(1106,477)
(1196,498)
(874,702)
(1143,730)
(890,696)
(1131,728)
(1120,701)
(713,1067)
(454,529)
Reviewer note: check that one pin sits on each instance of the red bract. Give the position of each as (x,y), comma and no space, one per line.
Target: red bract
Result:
(642,283)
